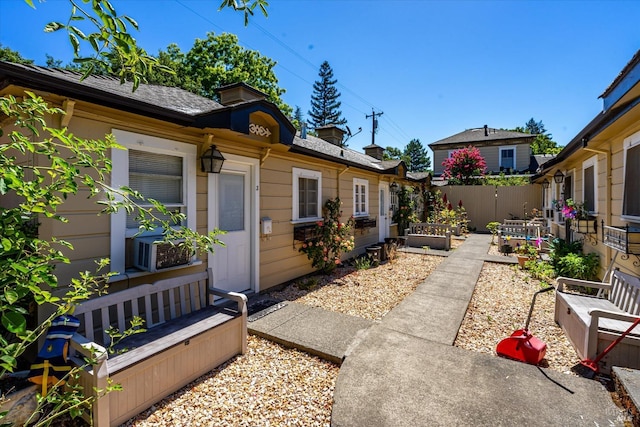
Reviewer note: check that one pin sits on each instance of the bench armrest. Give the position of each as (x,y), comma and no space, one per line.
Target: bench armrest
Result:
(240,299)
(597,313)
(594,326)
(577,282)
(88,348)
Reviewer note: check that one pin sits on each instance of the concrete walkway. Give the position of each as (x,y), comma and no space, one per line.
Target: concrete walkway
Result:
(404,370)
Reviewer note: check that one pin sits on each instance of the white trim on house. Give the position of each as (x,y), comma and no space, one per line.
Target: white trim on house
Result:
(629,142)
(298,173)
(120,177)
(360,190)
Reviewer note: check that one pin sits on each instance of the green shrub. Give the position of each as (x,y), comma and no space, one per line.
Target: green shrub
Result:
(559,249)
(540,270)
(362,263)
(579,266)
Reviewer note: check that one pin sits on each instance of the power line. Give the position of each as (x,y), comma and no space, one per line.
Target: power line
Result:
(305,61)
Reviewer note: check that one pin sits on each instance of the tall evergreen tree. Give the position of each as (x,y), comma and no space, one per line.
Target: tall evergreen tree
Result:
(325,107)
(419,161)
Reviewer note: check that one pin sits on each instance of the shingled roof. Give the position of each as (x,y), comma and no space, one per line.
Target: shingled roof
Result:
(108,90)
(478,135)
(175,105)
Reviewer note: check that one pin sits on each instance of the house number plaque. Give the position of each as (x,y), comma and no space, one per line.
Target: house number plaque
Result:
(259,130)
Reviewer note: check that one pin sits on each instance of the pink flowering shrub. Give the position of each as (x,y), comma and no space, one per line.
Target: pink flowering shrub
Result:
(332,238)
(464,166)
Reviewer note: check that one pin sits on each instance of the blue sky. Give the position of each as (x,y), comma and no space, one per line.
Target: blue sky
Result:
(435,68)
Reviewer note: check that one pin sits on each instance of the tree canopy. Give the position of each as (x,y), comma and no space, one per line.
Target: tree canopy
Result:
(218,61)
(325,106)
(7,54)
(543,143)
(417,154)
(414,156)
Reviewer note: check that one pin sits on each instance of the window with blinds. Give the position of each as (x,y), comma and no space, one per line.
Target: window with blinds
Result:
(159,177)
(631,198)
(589,188)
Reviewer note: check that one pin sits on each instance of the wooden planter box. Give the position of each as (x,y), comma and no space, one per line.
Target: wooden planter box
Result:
(302,233)
(584,226)
(365,223)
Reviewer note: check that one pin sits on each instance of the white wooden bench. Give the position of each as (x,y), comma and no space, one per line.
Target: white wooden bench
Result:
(187,336)
(436,236)
(592,323)
(514,235)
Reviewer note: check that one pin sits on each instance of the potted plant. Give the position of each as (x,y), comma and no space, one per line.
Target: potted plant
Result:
(526,252)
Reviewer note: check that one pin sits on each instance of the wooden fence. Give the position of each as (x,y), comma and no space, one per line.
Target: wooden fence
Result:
(485,203)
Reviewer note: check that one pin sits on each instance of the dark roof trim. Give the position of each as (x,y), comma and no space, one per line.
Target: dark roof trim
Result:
(627,68)
(236,117)
(597,125)
(10,74)
(320,155)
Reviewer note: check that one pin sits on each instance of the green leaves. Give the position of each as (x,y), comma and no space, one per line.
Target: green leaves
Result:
(14,322)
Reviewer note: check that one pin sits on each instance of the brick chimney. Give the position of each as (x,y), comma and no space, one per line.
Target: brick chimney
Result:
(331,133)
(374,151)
(239,92)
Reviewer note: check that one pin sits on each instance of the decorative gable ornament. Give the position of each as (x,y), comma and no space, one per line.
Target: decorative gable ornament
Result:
(259,130)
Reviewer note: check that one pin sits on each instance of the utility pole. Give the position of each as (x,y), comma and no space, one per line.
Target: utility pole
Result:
(374,124)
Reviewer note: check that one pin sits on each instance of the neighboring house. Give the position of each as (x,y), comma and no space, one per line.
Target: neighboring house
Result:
(271,182)
(503,150)
(600,166)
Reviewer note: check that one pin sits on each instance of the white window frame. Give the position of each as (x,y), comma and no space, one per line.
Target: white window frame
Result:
(592,161)
(120,177)
(505,148)
(295,211)
(358,183)
(629,142)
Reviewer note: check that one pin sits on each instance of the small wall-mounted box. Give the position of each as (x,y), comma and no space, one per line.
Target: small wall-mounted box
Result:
(267,225)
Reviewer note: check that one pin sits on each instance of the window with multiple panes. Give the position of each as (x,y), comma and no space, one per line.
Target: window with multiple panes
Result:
(589,186)
(393,203)
(360,197)
(631,196)
(507,158)
(307,194)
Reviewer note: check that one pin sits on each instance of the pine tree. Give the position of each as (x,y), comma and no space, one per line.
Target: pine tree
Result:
(419,161)
(325,107)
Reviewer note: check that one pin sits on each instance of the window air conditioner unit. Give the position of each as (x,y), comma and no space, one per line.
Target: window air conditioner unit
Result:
(151,254)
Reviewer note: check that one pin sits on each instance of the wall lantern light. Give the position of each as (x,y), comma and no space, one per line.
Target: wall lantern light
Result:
(558,177)
(211,160)
(545,183)
(394,187)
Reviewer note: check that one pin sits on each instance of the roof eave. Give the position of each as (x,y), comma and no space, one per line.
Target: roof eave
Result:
(51,84)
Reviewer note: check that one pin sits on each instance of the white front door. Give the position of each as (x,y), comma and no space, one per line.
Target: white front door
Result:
(384,220)
(230,210)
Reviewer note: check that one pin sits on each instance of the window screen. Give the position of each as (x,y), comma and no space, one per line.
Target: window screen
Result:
(631,201)
(360,199)
(507,158)
(589,189)
(308,198)
(159,177)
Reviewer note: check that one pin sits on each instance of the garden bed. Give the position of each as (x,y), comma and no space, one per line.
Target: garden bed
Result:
(500,305)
